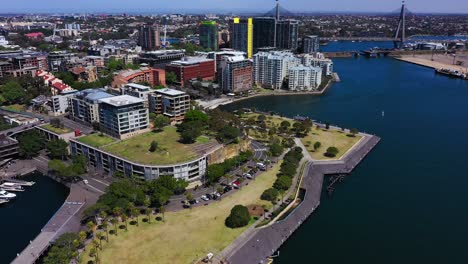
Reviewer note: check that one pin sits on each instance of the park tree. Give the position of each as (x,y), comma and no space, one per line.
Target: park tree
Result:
(57,148)
(239,217)
(160,121)
(197,116)
(283,183)
(30,144)
(228,133)
(276,149)
(64,249)
(270,195)
(153,146)
(332,152)
(56,122)
(317,145)
(12,92)
(354,132)
(190,131)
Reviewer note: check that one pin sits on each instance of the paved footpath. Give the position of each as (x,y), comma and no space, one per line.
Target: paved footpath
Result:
(263,242)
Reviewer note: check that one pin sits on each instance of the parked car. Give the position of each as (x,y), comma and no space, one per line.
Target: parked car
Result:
(227,189)
(261,166)
(247,175)
(193,201)
(187,204)
(209,196)
(204,198)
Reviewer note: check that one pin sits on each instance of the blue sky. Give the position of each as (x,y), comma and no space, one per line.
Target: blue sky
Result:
(427,6)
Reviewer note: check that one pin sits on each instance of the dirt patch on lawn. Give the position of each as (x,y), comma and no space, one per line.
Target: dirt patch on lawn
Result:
(255,210)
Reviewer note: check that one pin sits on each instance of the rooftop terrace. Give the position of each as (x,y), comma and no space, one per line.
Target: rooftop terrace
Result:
(170,151)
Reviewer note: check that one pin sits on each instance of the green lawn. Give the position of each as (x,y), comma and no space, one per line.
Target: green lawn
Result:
(56,129)
(96,140)
(187,235)
(16,107)
(170,150)
(328,138)
(203,139)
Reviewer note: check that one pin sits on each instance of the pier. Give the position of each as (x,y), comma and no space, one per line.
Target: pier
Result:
(262,243)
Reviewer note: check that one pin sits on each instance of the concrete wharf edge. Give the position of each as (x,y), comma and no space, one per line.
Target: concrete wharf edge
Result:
(263,242)
(63,221)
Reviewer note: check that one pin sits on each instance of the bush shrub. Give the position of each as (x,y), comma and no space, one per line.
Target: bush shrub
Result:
(239,217)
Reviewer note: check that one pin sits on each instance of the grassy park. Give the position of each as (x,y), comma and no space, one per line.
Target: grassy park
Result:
(328,138)
(185,236)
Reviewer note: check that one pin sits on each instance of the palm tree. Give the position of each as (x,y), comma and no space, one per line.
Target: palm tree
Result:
(114,221)
(136,213)
(83,236)
(91,225)
(100,236)
(103,215)
(93,253)
(124,219)
(117,211)
(130,208)
(148,212)
(162,210)
(105,226)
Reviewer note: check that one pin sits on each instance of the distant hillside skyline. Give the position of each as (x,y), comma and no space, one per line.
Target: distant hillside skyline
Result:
(229,6)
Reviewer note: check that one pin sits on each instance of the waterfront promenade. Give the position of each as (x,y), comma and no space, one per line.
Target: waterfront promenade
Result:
(438,61)
(66,219)
(261,243)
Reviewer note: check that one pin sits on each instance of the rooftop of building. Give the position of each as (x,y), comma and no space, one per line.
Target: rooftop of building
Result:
(121,100)
(163,52)
(236,59)
(56,130)
(136,149)
(170,92)
(304,68)
(130,72)
(95,94)
(191,61)
(137,86)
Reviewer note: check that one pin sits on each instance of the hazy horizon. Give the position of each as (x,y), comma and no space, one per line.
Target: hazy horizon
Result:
(224,6)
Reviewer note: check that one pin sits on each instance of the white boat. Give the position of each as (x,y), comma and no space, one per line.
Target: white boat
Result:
(2,201)
(12,187)
(22,183)
(6,195)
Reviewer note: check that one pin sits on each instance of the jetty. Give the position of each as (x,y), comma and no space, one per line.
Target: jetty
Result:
(261,243)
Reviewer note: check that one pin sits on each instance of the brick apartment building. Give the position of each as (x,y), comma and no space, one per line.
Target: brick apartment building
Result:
(192,68)
(143,75)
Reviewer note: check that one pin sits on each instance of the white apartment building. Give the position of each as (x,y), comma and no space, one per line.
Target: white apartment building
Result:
(304,78)
(318,60)
(271,68)
(123,116)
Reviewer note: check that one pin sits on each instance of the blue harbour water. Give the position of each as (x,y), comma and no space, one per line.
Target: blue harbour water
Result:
(21,220)
(407,202)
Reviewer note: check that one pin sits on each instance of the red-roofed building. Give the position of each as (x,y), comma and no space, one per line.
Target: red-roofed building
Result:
(35,35)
